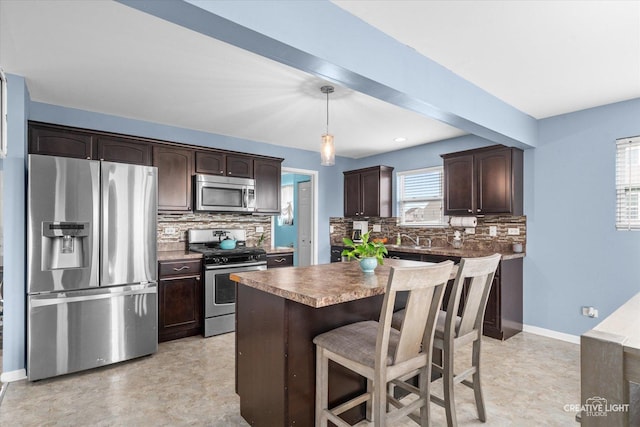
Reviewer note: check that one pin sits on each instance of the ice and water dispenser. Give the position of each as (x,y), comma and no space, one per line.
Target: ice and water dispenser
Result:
(65,245)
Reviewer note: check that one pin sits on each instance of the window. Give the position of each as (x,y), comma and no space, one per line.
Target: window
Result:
(420,197)
(628,183)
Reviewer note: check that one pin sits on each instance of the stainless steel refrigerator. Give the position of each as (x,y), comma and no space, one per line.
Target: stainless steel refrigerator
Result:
(92,264)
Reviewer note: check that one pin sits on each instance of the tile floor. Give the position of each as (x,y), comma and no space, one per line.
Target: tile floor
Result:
(527,380)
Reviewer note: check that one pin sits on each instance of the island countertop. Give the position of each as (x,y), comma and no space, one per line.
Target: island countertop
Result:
(323,285)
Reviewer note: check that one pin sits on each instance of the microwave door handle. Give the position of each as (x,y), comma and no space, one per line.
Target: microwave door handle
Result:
(245,192)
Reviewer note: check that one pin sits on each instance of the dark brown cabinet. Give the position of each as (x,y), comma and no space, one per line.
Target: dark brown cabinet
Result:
(220,163)
(53,140)
(503,315)
(239,166)
(210,163)
(175,166)
(279,260)
(367,192)
(484,181)
(267,174)
(60,141)
(180,299)
(123,150)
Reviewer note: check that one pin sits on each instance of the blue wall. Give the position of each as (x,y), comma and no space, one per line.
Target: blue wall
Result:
(14,215)
(575,256)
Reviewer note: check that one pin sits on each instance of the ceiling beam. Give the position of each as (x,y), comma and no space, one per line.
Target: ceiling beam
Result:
(322,39)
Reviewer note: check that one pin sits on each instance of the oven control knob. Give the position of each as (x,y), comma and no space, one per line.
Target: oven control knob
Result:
(225,259)
(215,260)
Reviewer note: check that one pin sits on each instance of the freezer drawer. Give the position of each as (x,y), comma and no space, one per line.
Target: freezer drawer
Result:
(73,331)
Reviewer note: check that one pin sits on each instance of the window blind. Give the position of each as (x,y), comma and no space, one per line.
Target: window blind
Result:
(420,196)
(628,183)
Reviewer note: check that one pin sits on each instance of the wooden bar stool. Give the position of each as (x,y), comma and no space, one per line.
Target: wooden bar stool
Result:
(471,289)
(383,354)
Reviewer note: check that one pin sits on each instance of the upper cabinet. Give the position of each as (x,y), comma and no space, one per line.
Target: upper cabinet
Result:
(175,168)
(484,181)
(267,175)
(219,163)
(123,150)
(60,141)
(239,166)
(367,192)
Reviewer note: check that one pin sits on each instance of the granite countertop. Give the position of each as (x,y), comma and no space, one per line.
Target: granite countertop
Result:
(176,255)
(280,250)
(323,285)
(448,251)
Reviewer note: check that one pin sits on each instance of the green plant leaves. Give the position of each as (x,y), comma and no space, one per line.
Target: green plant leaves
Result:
(366,249)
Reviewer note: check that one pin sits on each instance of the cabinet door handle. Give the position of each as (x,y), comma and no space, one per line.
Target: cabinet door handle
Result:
(222,172)
(184,267)
(469,210)
(479,210)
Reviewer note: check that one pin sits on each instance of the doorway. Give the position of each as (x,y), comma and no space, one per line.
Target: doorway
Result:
(296,225)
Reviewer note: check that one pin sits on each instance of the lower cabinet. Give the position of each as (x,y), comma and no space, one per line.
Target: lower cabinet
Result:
(503,315)
(180,299)
(279,260)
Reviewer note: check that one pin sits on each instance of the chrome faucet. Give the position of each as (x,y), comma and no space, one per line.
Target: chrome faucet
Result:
(415,241)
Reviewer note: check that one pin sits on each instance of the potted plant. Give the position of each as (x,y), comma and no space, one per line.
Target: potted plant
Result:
(369,254)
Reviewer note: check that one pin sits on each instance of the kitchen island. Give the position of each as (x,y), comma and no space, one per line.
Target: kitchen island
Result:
(278,313)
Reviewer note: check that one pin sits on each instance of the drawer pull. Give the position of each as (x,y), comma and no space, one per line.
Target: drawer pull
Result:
(184,267)
(280,260)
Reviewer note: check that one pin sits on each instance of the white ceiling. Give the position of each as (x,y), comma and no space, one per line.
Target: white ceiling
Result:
(544,58)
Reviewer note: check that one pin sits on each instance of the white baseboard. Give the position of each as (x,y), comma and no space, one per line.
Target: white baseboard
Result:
(574,339)
(11,376)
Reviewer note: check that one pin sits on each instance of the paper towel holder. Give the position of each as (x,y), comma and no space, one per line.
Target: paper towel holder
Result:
(463,221)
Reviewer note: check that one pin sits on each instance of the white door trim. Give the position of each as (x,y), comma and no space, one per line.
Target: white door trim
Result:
(314,209)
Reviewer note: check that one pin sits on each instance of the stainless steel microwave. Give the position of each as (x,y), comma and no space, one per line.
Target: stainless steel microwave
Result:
(224,194)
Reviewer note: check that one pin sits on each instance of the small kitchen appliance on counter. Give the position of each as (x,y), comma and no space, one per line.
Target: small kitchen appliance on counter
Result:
(219,263)
(359,228)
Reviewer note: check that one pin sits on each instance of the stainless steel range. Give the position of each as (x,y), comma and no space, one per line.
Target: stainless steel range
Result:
(219,290)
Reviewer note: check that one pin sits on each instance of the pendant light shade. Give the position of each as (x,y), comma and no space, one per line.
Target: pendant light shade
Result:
(327,149)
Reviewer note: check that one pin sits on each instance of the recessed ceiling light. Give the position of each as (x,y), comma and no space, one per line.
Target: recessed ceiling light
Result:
(400,139)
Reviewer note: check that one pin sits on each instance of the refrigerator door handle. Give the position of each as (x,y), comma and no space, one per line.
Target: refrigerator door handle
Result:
(43,301)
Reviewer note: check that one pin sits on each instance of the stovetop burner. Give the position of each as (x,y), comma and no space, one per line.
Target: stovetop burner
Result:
(207,242)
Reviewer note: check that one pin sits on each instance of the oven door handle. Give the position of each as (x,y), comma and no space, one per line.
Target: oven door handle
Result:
(236,266)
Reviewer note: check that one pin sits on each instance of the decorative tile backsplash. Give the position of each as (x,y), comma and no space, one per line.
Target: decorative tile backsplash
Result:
(442,236)
(172,229)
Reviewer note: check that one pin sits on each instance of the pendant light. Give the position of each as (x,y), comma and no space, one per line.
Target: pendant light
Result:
(327,149)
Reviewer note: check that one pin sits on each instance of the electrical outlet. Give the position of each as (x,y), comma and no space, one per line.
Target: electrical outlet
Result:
(259,229)
(169,230)
(331,229)
(589,311)
(493,231)
(470,230)
(513,231)
(377,228)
